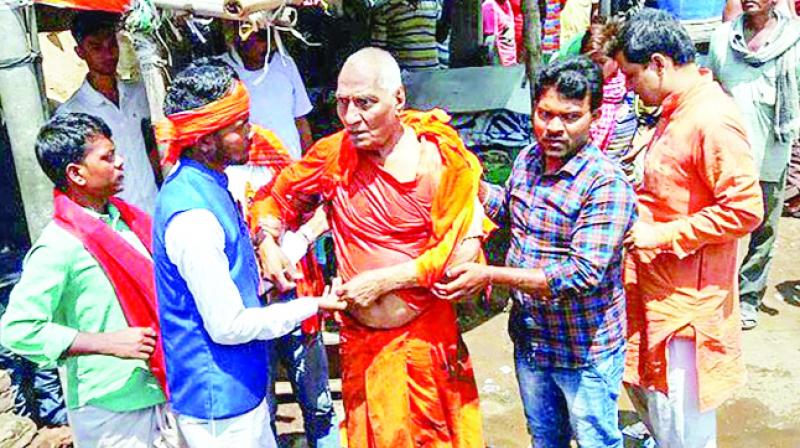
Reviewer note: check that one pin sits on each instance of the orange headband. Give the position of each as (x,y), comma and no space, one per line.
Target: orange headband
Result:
(177,131)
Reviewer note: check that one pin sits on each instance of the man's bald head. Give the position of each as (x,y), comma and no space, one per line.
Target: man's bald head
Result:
(370,98)
(376,65)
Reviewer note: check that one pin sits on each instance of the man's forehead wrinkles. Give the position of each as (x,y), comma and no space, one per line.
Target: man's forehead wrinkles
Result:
(363,92)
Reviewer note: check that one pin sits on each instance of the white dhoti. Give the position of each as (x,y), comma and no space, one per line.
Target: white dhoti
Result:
(675,420)
(249,430)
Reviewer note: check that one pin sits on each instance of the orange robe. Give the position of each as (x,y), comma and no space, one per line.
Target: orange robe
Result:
(413,385)
(700,193)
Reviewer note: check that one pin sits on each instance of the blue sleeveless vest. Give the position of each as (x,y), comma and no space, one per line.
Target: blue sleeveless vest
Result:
(206,380)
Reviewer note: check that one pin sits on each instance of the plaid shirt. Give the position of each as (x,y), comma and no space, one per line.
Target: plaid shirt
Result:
(570,224)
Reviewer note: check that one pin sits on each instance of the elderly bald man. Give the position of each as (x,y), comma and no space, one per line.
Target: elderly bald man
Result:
(402,199)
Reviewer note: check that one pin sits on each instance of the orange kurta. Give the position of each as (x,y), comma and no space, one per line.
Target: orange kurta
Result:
(701,194)
(413,385)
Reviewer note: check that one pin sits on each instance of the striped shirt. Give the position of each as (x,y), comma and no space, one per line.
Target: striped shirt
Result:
(408,31)
(620,144)
(570,224)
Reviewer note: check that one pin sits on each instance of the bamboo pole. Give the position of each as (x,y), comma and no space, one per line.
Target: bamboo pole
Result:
(150,67)
(532,34)
(24,111)
(466,33)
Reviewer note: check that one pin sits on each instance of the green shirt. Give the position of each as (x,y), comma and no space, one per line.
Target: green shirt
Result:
(754,90)
(63,291)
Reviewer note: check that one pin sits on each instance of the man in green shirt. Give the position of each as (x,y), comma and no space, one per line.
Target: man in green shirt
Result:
(79,291)
(756,58)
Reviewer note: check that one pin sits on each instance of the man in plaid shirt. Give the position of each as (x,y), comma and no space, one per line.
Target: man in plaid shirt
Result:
(569,207)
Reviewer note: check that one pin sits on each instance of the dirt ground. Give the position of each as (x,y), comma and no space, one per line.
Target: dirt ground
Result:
(764,414)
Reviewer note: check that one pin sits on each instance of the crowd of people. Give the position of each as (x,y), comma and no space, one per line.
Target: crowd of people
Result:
(169,289)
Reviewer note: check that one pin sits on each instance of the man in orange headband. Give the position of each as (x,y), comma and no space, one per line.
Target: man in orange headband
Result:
(402,194)
(214,325)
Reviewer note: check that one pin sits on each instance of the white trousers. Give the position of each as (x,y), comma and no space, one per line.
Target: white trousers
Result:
(675,421)
(249,430)
(94,427)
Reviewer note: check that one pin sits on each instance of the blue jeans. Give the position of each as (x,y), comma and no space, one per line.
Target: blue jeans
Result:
(306,362)
(562,403)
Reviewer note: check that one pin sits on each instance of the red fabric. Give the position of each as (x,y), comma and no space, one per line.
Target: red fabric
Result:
(329,166)
(266,149)
(378,221)
(131,273)
(411,386)
(118,6)
(614,91)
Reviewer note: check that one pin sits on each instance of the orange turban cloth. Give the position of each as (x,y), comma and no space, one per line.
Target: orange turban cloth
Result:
(183,129)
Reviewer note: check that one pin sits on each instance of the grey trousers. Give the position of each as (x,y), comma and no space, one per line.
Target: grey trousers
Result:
(94,427)
(755,267)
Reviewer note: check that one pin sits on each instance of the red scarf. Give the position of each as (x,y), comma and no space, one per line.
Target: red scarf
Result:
(130,272)
(266,149)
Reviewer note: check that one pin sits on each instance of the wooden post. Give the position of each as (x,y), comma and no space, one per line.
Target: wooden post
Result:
(24,111)
(532,34)
(466,34)
(150,67)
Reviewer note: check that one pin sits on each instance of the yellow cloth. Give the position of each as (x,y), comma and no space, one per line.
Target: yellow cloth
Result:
(575,19)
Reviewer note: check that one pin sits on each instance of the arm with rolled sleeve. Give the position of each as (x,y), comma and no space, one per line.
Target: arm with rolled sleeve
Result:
(726,166)
(609,212)
(195,243)
(29,327)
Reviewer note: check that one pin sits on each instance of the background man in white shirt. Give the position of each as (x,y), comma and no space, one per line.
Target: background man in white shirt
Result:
(278,98)
(123,105)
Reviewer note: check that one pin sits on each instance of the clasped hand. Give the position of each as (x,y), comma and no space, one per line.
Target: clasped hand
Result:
(643,239)
(364,289)
(464,280)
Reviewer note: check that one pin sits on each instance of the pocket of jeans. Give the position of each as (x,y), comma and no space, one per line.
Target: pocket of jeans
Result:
(610,370)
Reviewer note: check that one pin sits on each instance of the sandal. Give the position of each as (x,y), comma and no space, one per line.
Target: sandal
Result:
(749,316)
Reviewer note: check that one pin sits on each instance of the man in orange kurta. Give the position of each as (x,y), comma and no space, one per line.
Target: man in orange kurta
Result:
(401,191)
(699,195)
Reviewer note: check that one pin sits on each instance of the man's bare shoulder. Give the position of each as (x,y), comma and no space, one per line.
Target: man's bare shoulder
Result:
(430,160)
